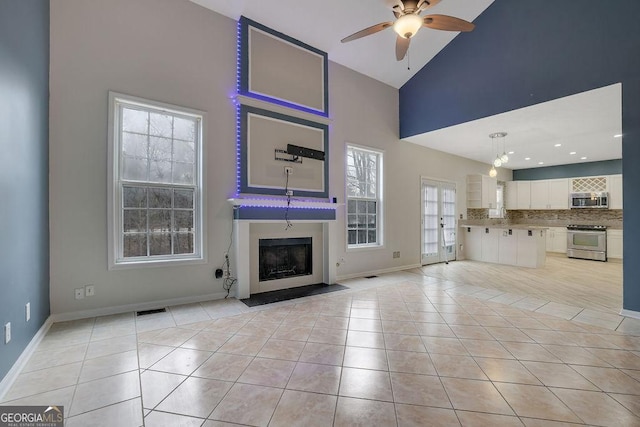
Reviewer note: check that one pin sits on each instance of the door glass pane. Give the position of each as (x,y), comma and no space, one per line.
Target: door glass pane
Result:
(430,219)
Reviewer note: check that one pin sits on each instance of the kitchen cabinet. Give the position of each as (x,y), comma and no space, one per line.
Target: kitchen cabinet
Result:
(524,247)
(481,192)
(550,194)
(518,195)
(472,243)
(530,249)
(507,247)
(490,242)
(557,240)
(614,182)
(614,244)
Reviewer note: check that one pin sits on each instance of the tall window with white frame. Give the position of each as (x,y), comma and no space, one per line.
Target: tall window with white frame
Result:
(156,182)
(364,197)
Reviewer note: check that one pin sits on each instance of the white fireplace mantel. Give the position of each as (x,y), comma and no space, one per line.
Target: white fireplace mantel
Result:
(243,259)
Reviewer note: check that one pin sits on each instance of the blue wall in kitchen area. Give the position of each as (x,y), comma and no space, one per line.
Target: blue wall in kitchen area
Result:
(521,54)
(606,167)
(24,171)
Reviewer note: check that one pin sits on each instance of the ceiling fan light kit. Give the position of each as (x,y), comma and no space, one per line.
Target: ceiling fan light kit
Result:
(408,22)
(408,25)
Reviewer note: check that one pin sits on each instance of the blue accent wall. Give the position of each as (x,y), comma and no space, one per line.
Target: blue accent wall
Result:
(606,167)
(24,169)
(522,54)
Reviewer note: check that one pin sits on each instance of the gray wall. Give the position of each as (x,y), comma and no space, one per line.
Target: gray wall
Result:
(178,52)
(24,129)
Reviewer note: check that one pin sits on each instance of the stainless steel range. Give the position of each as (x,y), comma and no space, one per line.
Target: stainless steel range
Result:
(587,242)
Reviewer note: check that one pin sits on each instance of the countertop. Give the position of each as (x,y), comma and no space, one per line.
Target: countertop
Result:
(506,226)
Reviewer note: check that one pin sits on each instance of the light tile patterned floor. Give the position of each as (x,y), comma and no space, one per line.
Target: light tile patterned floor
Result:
(402,349)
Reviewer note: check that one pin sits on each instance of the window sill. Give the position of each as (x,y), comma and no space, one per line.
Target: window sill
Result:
(128,265)
(364,248)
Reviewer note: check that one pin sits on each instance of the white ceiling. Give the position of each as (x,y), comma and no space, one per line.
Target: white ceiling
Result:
(584,123)
(323,23)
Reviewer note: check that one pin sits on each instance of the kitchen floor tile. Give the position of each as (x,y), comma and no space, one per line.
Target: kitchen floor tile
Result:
(473,395)
(195,397)
(457,367)
(158,385)
(425,390)
(248,404)
(352,412)
(535,402)
(596,408)
(223,366)
(315,378)
(365,384)
(299,408)
(509,371)
(268,372)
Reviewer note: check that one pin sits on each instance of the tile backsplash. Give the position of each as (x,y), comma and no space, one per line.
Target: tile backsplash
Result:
(608,217)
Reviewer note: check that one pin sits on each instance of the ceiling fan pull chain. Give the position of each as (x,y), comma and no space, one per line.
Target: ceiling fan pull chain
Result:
(408,60)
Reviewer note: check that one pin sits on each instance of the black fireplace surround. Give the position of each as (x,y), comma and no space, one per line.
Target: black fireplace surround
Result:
(283,258)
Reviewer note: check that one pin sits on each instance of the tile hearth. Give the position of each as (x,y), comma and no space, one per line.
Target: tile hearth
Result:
(401,349)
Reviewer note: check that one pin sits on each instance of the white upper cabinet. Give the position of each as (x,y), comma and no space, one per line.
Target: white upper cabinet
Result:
(518,195)
(550,194)
(481,192)
(615,191)
(524,195)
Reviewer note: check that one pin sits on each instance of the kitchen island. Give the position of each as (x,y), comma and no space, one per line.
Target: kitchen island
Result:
(510,244)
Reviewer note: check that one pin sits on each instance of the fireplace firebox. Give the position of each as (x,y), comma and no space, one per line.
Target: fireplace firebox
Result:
(282,258)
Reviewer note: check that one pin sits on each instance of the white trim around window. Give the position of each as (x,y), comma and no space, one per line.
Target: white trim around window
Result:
(364,208)
(155,198)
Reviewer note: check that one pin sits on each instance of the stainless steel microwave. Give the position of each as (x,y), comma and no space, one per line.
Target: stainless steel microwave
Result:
(589,200)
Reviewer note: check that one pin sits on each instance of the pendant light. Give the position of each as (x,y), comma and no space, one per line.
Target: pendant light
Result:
(500,158)
(493,172)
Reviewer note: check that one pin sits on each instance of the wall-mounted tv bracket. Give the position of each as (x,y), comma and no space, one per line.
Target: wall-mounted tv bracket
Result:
(283,156)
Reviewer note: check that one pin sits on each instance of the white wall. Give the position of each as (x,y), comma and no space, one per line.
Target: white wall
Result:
(371,109)
(174,51)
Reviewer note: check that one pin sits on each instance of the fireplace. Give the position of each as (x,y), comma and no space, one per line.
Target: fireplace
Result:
(283,258)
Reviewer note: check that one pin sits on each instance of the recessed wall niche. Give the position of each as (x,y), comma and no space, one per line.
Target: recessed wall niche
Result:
(263,134)
(280,69)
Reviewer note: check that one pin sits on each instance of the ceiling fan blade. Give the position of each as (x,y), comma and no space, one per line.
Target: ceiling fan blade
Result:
(367,31)
(426,4)
(402,46)
(447,23)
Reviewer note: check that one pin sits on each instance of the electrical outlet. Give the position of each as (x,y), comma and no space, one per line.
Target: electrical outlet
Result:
(288,170)
(396,254)
(89,290)
(79,293)
(289,192)
(7,333)
(28,311)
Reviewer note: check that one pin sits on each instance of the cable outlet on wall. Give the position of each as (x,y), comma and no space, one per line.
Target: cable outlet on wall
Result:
(288,170)
(79,293)
(89,290)
(7,332)
(27,308)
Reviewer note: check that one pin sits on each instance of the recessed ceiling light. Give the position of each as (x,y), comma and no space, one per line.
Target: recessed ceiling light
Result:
(527,158)
(558,145)
(511,152)
(572,153)
(541,163)
(619,135)
(583,158)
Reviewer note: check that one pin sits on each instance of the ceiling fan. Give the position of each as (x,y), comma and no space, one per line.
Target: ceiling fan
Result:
(409,21)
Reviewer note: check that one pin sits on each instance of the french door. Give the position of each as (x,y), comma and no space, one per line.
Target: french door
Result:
(438,221)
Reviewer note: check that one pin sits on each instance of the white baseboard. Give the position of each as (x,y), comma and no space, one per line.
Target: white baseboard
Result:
(630,313)
(106,311)
(17,367)
(374,272)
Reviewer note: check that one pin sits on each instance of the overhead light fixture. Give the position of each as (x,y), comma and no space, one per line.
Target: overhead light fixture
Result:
(527,158)
(572,153)
(619,135)
(511,152)
(493,172)
(500,159)
(408,25)
(583,158)
(558,145)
